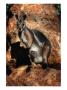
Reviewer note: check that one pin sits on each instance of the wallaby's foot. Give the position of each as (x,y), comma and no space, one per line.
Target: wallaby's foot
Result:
(34,65)
(29,68)
(45,66)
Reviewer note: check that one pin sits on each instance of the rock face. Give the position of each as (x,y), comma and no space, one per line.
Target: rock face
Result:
(35,77)
(42,17)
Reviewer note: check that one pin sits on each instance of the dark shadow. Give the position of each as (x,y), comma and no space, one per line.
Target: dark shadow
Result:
(20,54)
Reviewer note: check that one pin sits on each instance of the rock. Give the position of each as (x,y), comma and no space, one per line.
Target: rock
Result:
(12,30)
(17,72)
(35,77)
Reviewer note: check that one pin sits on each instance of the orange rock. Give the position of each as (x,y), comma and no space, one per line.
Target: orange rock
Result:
(16,8)
(8,56)
(11,24)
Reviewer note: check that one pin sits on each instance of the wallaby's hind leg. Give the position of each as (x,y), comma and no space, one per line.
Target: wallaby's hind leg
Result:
(45,55)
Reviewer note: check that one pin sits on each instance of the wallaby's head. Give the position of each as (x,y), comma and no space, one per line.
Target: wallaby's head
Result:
(21,20)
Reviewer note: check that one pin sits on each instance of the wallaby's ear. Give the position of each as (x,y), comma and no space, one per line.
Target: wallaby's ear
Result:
(16,16)
(24,16)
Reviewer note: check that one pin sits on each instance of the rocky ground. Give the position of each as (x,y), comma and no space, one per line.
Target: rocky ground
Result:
(35,77)
(45,19)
